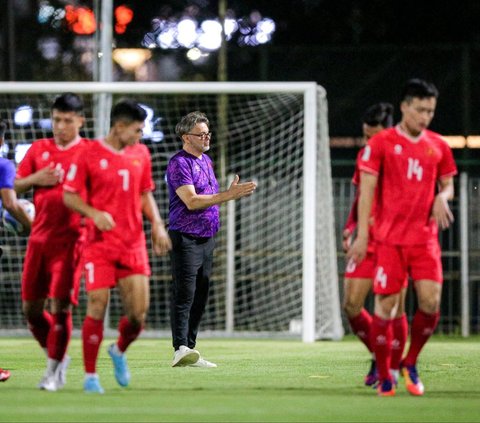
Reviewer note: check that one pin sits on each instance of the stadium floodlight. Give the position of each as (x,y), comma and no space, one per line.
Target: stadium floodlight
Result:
(207,36)
(23,115)
(275,267)
(187,32)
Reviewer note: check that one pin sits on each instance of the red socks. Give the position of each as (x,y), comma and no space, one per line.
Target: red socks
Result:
(92,336)
(423,326)
(41,327)
(361,326)
(381,338)
(59,335)
(128,333)
(400,335)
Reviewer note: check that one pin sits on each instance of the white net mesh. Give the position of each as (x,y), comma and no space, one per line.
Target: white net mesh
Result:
(263,137)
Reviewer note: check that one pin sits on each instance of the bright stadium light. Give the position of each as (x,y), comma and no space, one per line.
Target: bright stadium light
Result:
(23,115)
(211,37)
(187,33)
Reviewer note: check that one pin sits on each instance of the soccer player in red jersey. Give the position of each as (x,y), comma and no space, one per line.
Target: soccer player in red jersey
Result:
(358,280)
(116,172)
(8,200)
(49,269)
(413,168)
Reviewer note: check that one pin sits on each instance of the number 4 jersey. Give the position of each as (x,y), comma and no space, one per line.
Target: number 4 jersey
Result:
(115,181)
(408,170)
(53,220)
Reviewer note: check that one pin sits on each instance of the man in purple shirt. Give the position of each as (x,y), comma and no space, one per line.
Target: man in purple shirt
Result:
(193,223)
(8,200)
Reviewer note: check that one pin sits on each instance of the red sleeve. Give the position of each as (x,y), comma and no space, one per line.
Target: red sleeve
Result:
(147,179)
(352,218)
(372,156)
(446,166)
(76,179)
(27,165)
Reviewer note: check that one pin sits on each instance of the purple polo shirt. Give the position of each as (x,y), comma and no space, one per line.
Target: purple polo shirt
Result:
(7,174)
(186,169)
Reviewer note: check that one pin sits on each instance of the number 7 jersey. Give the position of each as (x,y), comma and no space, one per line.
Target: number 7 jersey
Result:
(114,181)
(408,170)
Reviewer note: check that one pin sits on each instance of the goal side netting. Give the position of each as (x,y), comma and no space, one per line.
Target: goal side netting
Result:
(275,266)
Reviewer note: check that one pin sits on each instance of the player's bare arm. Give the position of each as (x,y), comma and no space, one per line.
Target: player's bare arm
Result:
(193,201)
(102,219)
(47,176)
(358,250)
(9,201)
(441,210)
(161,242)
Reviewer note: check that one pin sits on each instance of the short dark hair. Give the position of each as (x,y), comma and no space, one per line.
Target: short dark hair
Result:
(3,128)
(418,88)
(379,114)
(127,110)
(188,122)
(68,102)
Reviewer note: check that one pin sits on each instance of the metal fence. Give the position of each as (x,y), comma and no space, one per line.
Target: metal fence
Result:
(460,308)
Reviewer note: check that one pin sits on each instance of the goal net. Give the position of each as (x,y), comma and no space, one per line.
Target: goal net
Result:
(275,269)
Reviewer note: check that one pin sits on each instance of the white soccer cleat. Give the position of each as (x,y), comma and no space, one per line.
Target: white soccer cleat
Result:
(201,362)
(185,356)
(61,372)
(48,383)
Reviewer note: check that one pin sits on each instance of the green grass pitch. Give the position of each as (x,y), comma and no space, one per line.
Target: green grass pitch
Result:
(256,381)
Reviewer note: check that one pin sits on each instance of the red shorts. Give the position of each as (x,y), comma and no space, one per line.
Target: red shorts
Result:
(395,263)
(52,270)
(363,270)
(104,265)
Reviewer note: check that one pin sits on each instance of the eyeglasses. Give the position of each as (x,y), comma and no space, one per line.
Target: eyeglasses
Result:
(202,135)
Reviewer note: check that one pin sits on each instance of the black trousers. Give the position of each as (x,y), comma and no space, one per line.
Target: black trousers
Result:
(191,258)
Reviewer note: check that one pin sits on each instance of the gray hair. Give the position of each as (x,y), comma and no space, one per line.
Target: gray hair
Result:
(188,122)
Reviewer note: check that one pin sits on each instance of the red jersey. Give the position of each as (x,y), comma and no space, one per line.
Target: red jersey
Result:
(352,218)
(115,181)
(408,170)
(53,220)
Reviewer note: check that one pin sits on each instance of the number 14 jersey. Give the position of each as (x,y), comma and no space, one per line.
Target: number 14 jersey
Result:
(408,170)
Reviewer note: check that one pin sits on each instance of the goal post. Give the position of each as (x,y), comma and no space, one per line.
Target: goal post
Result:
(275,266)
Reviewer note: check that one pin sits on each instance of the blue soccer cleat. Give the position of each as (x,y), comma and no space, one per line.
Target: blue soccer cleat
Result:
(386,388)
(122,374)
(91,385)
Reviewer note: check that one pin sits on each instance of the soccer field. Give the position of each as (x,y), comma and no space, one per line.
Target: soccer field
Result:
(256,380)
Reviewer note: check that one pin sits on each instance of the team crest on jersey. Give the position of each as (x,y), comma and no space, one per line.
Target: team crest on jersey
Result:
(136,162)
(430,151)
(45,155)
(397,149)
(103,164)
(197,168)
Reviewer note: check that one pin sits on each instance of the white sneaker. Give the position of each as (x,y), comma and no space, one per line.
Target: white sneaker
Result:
(61,372)
(48,383)
(201,362)
(185,356)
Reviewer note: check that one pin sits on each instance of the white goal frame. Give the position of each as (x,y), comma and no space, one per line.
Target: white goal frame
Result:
(314,128)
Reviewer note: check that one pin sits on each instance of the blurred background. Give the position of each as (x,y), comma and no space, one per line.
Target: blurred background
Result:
(360,51)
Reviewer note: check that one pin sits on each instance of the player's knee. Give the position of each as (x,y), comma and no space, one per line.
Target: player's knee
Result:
(429,305)
(351,307)
(32,310)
